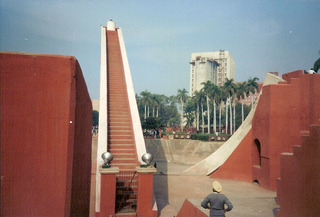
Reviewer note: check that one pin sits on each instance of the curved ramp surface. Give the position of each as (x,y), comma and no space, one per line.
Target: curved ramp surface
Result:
(216,159)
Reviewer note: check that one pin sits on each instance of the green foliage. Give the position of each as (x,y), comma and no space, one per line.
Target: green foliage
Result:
(166,109)
(158,106)
(316,65)
(200,136)
(238,112)
(95,118)
(171,133)
(189,112)
(152,123)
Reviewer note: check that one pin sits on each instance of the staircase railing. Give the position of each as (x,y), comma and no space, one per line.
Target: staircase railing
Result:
(126,191)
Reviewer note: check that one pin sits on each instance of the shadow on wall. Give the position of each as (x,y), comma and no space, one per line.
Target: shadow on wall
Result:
(160,182)
(256,158)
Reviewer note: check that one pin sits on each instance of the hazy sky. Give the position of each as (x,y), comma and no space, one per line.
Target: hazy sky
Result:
(262,35)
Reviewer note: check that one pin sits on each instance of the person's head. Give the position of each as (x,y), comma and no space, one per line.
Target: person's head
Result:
(216,187)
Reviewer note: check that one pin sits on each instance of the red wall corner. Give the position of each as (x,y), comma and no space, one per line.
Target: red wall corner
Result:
(188,209)
(45,136)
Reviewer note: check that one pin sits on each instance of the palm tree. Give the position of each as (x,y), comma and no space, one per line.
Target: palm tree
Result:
(154,103)
(207,88)
(221,100)
(190,108)
(253,86)
(145,100)
(172,109)
(202,100)
(182,97)
(230,89)
(197,99)
(161,101)
(214,95)
(241,94)
(172,100)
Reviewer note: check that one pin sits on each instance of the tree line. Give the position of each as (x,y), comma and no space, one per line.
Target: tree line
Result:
(218,107)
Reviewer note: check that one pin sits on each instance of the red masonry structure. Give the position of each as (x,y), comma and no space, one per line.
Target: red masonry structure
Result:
(298,188)
(46,117)
(284,112)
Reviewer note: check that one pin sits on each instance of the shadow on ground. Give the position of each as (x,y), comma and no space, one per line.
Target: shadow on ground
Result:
(172,187)
(180,155)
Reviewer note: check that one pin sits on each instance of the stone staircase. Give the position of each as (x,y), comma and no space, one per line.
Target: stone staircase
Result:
(121,143)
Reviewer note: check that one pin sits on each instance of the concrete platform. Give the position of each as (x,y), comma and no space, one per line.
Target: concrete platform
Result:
(172,188)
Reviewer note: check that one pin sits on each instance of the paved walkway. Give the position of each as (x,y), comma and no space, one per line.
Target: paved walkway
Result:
(172,188)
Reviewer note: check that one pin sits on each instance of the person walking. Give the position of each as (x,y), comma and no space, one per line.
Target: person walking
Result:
(217,203)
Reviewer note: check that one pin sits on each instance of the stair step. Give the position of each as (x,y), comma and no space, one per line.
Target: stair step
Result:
(124,160)
(120,131)
(121,141)
(121,151)
(129,201)
(119,124)
(124,155)
(131,214)
(115,128)
(120,147)
(127,195)
(125,188)
(119,127)
(123,106)
(120,114)
(124,184)
(120,137)
(117,133)
(118,119)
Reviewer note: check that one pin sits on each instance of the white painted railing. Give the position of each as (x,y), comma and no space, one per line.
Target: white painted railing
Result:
(103,133)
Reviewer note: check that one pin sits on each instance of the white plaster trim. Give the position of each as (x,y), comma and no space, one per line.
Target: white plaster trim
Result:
(140,144)
(111,25)
(137,129)
(111,170)
(102,136)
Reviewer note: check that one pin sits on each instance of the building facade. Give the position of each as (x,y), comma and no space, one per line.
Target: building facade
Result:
(210,66)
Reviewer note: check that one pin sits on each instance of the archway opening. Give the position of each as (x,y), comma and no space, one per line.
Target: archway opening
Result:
(256,181)
(257,153)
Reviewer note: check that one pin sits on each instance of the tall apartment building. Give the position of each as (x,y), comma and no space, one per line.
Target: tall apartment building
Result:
(210,66)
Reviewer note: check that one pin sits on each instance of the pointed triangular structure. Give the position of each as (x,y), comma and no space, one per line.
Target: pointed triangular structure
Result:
(120,131)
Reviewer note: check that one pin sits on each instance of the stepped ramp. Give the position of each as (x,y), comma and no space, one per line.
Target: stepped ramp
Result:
(121,143)
(120,138)
(216,159)
(120,131)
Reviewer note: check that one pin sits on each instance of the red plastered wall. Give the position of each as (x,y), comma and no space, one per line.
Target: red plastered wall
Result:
(276,126)
(238,165)
(284,111)
(188,209)
(44,124)
(298,188)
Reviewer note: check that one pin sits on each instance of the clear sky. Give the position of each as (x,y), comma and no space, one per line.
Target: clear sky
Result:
(160,35)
